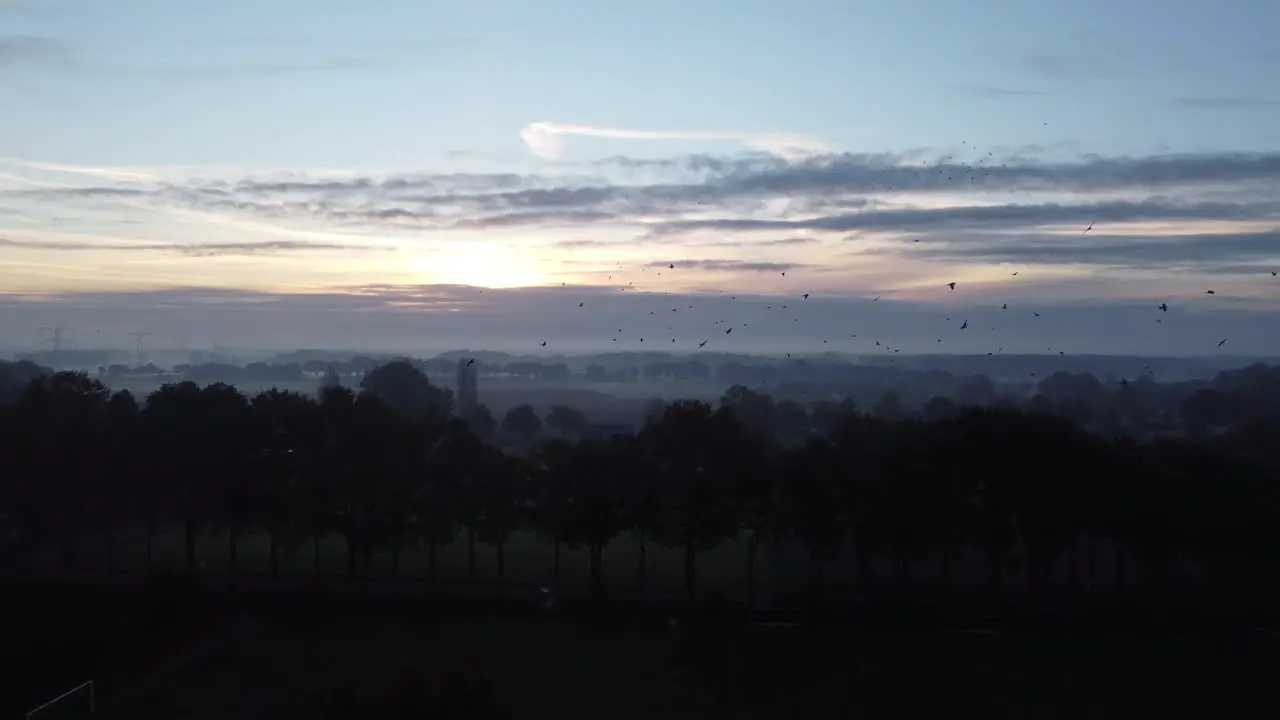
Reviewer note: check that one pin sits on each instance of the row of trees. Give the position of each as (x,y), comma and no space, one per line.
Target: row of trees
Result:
(387,468)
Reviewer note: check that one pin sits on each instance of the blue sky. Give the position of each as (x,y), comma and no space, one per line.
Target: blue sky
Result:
(143,147)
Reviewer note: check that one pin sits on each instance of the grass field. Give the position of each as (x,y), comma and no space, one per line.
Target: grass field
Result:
(219,658)
(263,667)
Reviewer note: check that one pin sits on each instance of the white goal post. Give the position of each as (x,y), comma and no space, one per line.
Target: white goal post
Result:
(49,706)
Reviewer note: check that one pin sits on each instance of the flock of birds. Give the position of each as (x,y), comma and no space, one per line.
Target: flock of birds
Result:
(969,172)
(964,325)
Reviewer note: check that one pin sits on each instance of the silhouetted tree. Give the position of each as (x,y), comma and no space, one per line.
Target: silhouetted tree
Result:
(566,420)
(523,422)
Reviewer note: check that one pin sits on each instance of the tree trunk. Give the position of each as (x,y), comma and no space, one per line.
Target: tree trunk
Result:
(1091,560)
(997,575)
(866,571)
(151,534)
(555,563)
(351,555)
(643,569)
(597,566)
(315,551)
(66,553)
(109,549)
(1119,566)
(395,557)
(431,560)
(690,572)
(947,573)
(501,547)
(1073,566)
(272,553)
(471,553)
(232,534)
(189,538)
(901,571)
(753,545)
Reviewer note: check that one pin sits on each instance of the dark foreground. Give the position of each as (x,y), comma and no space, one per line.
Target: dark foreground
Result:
(172,655)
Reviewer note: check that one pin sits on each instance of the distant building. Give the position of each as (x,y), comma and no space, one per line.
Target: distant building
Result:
(468,395)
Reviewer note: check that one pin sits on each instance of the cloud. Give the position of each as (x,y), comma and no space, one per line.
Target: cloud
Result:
(340,64)
(193,249)
(1205,249)
(746,203)
(1225,103)
(993,216)
(727,265)
(23,49)
(1081,64)
(549,140)
(739,187)
(993,91)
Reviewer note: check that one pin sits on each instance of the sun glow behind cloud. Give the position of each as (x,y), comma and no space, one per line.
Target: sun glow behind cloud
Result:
(836,223)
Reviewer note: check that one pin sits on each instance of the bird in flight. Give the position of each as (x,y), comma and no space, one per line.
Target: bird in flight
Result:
(1088,228)
(951,285)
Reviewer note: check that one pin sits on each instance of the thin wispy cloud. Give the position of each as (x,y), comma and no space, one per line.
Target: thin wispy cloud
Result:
(191,249)
(996,91)
(1226,103)
(549,140)
(20,49)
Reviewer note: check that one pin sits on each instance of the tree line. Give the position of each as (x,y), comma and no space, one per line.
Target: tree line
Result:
(387,467)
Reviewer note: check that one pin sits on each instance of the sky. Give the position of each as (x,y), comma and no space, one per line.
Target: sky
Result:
(426,175)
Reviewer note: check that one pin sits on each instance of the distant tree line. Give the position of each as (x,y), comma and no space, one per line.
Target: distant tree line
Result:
(1139,405)
(389,467)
